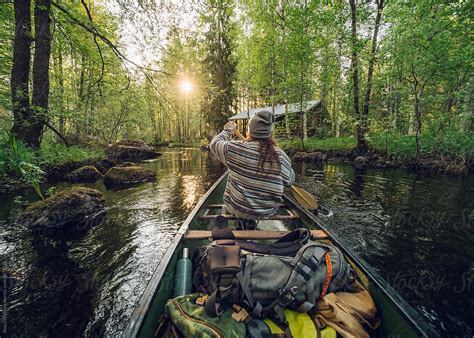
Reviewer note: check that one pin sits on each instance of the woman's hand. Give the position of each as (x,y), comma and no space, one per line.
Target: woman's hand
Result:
(230,126)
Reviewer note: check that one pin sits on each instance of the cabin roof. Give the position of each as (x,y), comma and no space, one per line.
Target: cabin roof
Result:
(279,110)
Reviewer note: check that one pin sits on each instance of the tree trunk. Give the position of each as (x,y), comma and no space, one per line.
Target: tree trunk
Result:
(468,121)
(285,67)
(304,130)
(370,72)
(361,144)
(416,112)
(272,60)
(40,97)
(21,70)
(62,107)
(418,125)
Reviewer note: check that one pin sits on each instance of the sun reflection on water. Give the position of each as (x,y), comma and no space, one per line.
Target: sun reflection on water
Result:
(191,185)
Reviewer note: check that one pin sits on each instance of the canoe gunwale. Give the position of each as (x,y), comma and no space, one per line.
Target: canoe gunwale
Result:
(135,323)
(411,315)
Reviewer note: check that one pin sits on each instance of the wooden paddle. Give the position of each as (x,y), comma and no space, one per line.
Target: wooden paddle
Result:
(304,198)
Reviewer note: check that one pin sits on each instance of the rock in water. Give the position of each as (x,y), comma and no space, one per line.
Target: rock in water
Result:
(132,151)
(126,164)
(134,143)
(298,157)
(86,174)
(361,162)
(318,157)
(72,211)
(125,176)
(104,165)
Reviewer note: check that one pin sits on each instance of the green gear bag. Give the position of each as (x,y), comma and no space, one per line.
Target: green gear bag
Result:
(191,319)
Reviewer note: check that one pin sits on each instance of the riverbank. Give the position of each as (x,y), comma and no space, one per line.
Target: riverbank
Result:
(446,154)
(49,170)
(396,220)
(22,167)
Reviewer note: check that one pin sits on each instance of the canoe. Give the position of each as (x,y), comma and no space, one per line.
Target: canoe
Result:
(398,318)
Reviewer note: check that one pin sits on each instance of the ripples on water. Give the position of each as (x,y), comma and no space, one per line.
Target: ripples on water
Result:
(416,231)
(91,285)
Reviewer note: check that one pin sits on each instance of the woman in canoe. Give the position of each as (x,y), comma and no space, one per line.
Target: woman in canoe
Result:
(258,170)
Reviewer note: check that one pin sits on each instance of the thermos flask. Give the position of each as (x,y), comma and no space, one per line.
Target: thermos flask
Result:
(183,275)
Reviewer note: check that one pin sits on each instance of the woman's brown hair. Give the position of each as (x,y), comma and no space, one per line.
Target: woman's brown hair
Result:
(268,153)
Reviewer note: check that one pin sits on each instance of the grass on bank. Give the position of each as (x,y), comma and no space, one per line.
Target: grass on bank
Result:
(19,161)
(452,144)
(344,143)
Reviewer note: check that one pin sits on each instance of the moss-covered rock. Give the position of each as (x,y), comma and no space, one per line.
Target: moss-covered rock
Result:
(70,211)
(134,143)
(124,176)
(316,157)
(298,157)
(104,165)
(361,162)
(126,164)
(131,151)
(86,174)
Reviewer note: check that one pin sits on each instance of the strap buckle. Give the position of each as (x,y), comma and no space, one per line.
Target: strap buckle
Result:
(202,300)
(287,297)
(241,314)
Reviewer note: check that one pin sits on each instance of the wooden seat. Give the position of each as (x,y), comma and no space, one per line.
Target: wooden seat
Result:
(250,234)
(288,216)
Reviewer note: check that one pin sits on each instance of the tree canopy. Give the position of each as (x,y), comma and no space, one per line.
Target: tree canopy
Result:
(93,72)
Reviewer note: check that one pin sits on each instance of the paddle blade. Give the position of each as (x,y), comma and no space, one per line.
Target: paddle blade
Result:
(238,134)
(304,198)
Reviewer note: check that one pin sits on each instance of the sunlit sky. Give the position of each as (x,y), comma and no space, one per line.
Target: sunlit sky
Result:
(143,28)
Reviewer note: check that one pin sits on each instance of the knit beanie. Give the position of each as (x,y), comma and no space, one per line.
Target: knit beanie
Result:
(261,124)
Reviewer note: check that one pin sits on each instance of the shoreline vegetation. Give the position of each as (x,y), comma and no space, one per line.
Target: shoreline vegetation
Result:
(396,97)
(453,154)
(23,168)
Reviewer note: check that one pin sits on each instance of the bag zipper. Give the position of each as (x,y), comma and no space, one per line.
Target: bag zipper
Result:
(210,326)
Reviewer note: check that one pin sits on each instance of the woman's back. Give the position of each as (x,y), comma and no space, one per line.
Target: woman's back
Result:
(256,182)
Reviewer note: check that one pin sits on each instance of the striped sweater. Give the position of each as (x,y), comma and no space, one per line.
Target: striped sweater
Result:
(251,193)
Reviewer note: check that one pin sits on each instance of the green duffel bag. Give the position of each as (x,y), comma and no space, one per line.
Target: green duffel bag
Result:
(190,319)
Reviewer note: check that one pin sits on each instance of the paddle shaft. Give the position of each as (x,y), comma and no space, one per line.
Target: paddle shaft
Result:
(302,196)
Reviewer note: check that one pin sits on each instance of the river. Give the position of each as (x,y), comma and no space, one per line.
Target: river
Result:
(414,229)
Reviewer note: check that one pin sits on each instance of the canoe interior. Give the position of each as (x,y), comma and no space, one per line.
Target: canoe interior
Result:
(398,318)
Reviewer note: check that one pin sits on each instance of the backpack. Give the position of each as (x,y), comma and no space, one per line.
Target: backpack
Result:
(186,315)
(295,272)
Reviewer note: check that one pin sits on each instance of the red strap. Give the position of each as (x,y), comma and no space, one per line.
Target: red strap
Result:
(328,276)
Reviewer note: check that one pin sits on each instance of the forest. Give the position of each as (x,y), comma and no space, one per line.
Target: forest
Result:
(388,75)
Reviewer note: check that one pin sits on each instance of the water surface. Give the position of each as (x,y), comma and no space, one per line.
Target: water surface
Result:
(90,286)
(414,229)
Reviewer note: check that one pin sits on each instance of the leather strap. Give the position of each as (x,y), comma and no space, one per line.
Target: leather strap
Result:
(328,275)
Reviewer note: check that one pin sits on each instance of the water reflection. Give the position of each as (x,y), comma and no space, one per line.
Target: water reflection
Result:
(415,229)
(190,190)
(90,286)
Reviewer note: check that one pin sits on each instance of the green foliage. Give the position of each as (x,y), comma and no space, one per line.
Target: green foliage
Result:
(20,201)
(219,62)
(333,143)
(51,191)
(32,174)
(6,52)
(448,145)
(244,54)
(452,145)
(53,153)
(13,154)
(20,162)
